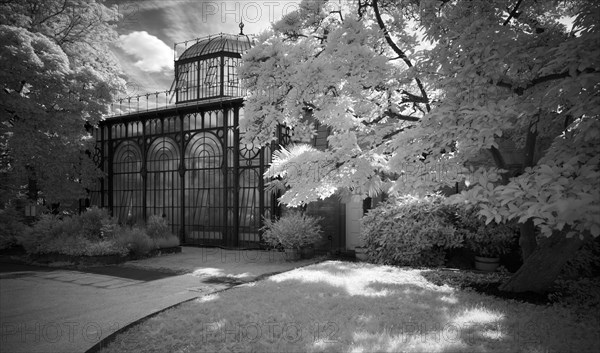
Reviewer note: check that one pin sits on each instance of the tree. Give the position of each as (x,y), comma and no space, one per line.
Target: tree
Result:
(57,77)
(499,96)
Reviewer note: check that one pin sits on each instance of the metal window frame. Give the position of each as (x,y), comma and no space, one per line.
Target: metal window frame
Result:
(236,166)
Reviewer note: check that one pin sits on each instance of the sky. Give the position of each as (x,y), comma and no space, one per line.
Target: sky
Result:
(149,29)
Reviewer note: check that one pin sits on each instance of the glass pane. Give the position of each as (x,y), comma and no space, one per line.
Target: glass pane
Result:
(163,183)
(204,204)
(127,183)
(232,84)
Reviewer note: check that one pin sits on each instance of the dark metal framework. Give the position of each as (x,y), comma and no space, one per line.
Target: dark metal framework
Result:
(185,161)
(208,68)
(186,164)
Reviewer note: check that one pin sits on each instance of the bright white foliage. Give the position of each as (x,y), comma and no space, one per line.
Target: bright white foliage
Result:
(486,82)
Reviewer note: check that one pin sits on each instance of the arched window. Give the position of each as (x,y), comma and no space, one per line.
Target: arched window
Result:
(127,182)
(163,181)
(204,188)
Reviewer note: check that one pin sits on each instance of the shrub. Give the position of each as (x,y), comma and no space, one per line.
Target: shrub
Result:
(158,228)
(77,246)
(75,235)
(109,228)
(95,233)
(586,262)
(63,244)
(11,227)
(410,231)
(47,230)
(134,239)
(104,247)
(292,231)
(490,240)
(581,293)
(92,222)
(168,242)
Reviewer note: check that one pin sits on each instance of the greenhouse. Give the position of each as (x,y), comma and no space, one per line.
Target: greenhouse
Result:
(183,159)
(177,154)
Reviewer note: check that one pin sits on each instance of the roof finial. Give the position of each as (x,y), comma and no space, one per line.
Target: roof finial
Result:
(241,28)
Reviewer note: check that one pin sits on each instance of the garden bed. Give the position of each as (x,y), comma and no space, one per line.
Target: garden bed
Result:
(99,260)
(90,238)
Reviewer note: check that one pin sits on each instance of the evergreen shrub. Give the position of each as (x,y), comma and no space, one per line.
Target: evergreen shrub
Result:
(135,240)
(411,231)
(488,240)
(158,228)
(92,222)
(292,231)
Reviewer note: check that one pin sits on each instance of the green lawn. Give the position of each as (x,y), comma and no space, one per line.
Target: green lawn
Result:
(356,307)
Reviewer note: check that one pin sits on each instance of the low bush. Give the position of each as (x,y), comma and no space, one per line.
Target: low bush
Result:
(489,240)
(292,231)
(103,248)
(134,239)
(158,228)
(93,221)
(410,231)
(95,233)
(583,294)
(169,242)
(88,234)
(11,227)
(77,246)
(585,263)
(109,228)
(41,237)
(51,234)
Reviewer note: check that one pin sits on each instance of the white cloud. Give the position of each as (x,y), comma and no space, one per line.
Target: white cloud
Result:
(153,54)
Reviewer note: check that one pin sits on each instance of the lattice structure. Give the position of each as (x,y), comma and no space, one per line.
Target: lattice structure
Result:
(185,161)
(207,68)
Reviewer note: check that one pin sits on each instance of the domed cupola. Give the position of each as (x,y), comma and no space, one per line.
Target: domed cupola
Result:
(207,67)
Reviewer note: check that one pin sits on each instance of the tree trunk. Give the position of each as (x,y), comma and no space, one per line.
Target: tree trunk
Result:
(32,190)
(543,266)
(532,276)
(527,240)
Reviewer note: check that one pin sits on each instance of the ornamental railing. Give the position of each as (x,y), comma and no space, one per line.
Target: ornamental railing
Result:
(142,103)
(156,101)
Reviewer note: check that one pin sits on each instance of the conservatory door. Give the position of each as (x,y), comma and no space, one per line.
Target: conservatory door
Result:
(204,190)
(163,182)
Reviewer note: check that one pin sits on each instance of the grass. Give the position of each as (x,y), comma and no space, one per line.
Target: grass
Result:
(356,307)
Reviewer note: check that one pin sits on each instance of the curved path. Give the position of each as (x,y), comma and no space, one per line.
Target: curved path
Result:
(46,309)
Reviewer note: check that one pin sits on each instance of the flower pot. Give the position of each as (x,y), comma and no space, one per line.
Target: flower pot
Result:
(361,254)
(307,252)
(487,264)
(292,254)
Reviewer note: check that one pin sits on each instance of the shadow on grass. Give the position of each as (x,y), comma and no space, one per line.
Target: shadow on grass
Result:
(341,306)
(484,283)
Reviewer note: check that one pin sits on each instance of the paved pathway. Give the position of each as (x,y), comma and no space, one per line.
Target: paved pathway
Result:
(64,310)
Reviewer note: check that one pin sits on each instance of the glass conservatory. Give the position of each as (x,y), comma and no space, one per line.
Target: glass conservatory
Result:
(183,160)
(208,68)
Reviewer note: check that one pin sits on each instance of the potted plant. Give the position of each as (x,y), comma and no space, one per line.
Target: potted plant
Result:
(488,252)
(486,241)
(292,232)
